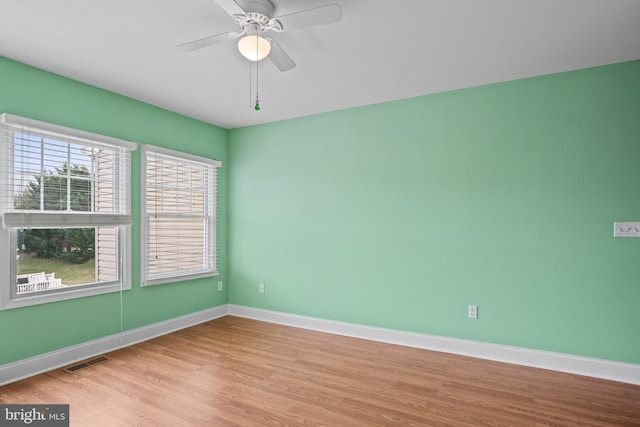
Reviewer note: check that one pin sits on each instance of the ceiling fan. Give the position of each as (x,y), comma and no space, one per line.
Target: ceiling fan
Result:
(254,18)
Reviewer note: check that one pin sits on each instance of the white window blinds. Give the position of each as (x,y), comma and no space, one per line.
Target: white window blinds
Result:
(57,176)
(179,215)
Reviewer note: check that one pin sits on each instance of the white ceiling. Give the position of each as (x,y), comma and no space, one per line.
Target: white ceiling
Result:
(383,50)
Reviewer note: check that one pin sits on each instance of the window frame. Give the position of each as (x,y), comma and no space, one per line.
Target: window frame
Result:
(120,220)
(211,240)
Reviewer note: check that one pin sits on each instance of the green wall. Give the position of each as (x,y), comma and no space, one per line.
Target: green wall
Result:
(399,215)
(33,93)
(395,215)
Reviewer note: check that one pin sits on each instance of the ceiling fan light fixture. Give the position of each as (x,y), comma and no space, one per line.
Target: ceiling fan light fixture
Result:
(253,47)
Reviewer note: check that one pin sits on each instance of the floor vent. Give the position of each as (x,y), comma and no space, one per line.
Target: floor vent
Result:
(85,364)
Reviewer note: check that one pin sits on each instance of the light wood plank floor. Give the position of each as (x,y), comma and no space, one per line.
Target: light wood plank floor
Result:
(240,372)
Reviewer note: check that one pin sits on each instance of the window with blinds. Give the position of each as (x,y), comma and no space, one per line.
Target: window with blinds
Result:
(65,205)
(179,216)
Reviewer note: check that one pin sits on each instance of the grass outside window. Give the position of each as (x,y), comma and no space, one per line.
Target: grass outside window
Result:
(70,274)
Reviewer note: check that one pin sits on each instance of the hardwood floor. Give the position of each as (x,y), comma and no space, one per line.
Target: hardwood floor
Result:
(240,372)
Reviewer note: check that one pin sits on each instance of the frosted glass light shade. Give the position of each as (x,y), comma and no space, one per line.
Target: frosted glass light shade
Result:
(254,47)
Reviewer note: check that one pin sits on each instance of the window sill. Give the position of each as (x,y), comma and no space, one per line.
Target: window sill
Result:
(176,279)
(37,298)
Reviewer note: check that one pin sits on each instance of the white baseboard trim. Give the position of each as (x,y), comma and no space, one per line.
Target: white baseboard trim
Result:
(579,365)
(25,368)
(591,367)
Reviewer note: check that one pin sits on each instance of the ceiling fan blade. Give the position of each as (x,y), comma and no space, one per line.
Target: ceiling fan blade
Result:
(207,41)
(231,7)
(311,17)
(279,57)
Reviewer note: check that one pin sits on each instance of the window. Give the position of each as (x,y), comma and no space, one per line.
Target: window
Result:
(65,205)
(179,216)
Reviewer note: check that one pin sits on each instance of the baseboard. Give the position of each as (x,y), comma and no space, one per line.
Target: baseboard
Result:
(591,367)
(598,368)
(25,368)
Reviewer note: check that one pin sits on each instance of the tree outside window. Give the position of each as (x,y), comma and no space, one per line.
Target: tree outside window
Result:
(65,207)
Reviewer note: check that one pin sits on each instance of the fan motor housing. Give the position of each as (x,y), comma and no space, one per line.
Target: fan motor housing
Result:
(254,8)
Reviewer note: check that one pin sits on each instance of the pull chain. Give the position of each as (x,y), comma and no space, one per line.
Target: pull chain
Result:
(257,106)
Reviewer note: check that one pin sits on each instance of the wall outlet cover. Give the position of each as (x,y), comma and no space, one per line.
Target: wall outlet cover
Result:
(472,312)
(626,229)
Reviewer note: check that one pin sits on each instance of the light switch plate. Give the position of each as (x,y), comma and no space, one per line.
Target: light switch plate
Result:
(626,229)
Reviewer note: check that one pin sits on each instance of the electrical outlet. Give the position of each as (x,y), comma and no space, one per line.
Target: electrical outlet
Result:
(626,229)
(220,286)
(261,288)
(472,312)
